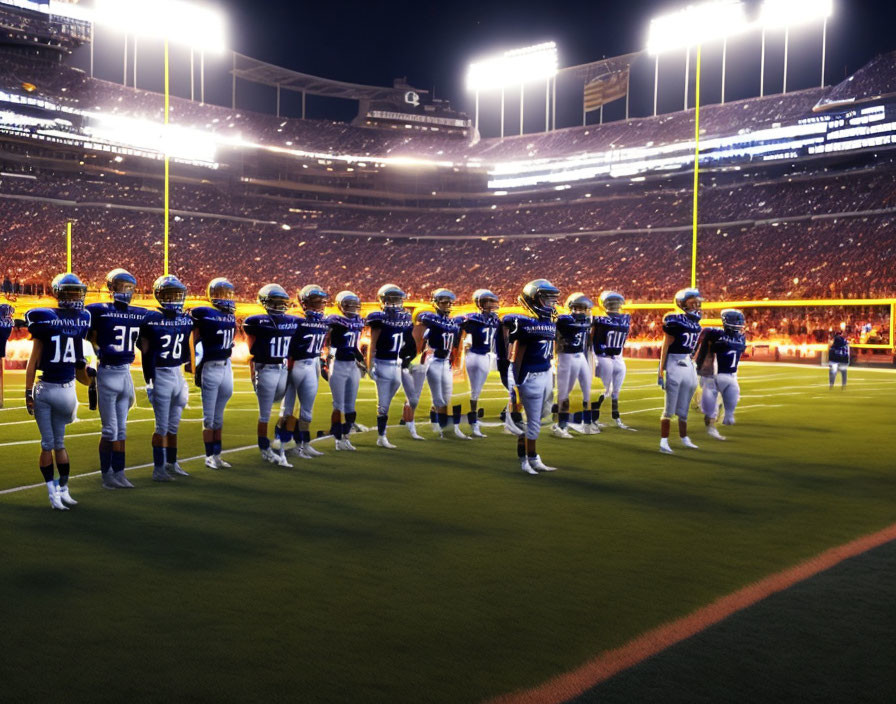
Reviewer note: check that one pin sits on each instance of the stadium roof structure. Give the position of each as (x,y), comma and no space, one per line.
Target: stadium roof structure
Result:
(255,71)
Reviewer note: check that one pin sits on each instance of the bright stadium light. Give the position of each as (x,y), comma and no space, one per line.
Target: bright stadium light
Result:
(778,14)
(516,67)
(696,24)
(187,23)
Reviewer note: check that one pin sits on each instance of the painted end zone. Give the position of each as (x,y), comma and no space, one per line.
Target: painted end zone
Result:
(575,683)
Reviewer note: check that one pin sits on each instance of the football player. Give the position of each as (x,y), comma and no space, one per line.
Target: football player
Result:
(114,329)
(481,327)
(269,335)
(718,356)
(512,415)
(347,366)
(838,360)
(7,323)
(58,353)
(304,366)
(164,342)
(677,375)
(413,377)
(214,328)
(573,364)
(391,345)
(610,334)
(440,334)
(529,377)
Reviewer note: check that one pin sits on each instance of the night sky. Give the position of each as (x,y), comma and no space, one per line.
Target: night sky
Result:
(431,43)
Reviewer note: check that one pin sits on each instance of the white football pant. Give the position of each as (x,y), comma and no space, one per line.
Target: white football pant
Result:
(726,386)
(571,368)
(611,370)
(681,383)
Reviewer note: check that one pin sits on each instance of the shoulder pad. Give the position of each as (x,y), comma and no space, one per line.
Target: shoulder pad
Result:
(565,318)
(376,315)
(40,315)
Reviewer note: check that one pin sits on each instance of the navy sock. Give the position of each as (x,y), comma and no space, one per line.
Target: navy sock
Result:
(336,430)
(433,417)
(471,417)
(521,448)
(455,415)
(563,419)
(105,460)
(263,442)
(305,436)
(586,416)
(350,419)
(286,435)
(117,461)
(277,432)
(577,417)
(346,429)
(615,411)
(64,470)
(158,456)
(516,417)
(216,447)
(442,419)
(381,422)
(47,472)
(171,455)
(209,449)
(595,410)
(532,455)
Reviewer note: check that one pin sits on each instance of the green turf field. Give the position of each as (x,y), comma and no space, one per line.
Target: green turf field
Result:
(437,572)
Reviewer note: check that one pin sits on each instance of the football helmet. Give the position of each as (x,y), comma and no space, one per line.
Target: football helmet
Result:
(580,306)
(442,300)
(486,301)
(611,301)
(121,284)
(313,298)
(348,303)
(733,320)
(683,301)
(170,293)
(6,310)
(220,294)
(540,298)
(274,299)
(391,297)
(69,291)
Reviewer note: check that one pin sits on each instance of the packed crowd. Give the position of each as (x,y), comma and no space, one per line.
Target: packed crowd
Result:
(877,78)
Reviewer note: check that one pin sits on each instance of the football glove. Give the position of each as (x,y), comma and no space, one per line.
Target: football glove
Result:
(92,396)
(661,382)
(29,401)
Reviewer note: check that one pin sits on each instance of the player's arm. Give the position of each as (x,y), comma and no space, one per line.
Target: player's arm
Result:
(664,353)
(418,330)
(703,348)
(37,350)
(148,361)
(371,347)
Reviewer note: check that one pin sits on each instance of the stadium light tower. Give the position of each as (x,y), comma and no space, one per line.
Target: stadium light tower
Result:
(516,67)
(778,14)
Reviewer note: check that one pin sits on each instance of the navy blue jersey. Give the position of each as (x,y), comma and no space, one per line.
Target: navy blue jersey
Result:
(216,331)
(572,334)
(273,334)
(482,329)
(6,326)
(168,337)
(610,333)
(538,336)
(839,353)
(396,331)
(117,328)
(441,332)
(685,330)
(308,340)
(62,333)
(727,348)
(345,336)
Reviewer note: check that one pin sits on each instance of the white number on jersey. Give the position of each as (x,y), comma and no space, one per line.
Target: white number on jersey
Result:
(397,338)
(60,355)
(226,338)
(279,347)
(125,338)
(316,342)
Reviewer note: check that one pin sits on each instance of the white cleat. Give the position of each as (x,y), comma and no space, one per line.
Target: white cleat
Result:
(160,475)
(536,463)
(623,426)
(477,431)
(176,469)
(436,428)
(686,442)
(222,463)
(211,463)
(714,433)
(600,425)
(109,482)
(559,432)
(416,436)
(576,428)
(281,461)
(276,444)
(121,481)
(458,433)
(383,441)
(526,467)
(66,496)
(664,447)
(289,444)
(347,445)
(56,502)
(299,451)
(311,451)
(269,455)
(595,428)
(511,427)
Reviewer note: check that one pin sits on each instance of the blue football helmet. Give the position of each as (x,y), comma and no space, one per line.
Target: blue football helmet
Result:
(442,300)
(733,321)
(348,303)
(6,310)
(170,293)
(540,297)
(487,302)
(274,299)
(391,297)
(121,284)
(69,291)
(684,297)
(313,298)
(611,301)
(221,294)
(580,306)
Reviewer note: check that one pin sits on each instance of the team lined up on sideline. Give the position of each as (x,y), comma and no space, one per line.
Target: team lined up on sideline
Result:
(290,353)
